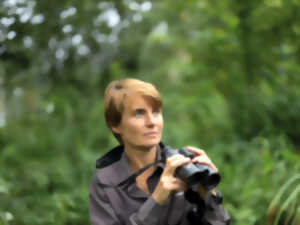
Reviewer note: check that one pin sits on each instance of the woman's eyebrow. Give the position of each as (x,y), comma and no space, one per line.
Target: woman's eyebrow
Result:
(139,110)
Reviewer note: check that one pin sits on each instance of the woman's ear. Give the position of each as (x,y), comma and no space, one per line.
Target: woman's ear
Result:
(116,129)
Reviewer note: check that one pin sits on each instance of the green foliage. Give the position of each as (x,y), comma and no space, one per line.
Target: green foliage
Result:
(285,207)
(228,72)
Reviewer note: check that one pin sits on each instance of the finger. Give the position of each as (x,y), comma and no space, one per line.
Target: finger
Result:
(179,162)
(177,180)
(178,185)
(195,150)
(201,159)
(173,163)
(176,158)
(204,160)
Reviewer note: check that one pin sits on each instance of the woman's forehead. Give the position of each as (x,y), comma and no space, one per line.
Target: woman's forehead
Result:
(137,100)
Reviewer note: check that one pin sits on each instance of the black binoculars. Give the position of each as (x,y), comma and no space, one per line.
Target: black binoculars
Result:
(194,174)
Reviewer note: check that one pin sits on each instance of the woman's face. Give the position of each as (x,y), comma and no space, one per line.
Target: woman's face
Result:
(141,125)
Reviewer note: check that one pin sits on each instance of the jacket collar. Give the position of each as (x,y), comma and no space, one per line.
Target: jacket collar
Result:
(115,165)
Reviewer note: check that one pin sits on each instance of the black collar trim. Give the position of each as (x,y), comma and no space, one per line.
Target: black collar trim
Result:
(113,156)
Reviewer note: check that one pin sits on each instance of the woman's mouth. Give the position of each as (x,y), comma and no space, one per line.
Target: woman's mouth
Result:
(151,133)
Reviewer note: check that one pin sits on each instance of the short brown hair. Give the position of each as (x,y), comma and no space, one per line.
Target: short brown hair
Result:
(116,92)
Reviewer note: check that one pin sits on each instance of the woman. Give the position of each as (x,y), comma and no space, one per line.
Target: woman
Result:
(122,190)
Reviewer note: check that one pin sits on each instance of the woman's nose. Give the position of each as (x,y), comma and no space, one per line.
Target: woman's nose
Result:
(150,119)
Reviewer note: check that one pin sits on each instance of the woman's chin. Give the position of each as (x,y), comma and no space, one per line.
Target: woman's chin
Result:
(150,143)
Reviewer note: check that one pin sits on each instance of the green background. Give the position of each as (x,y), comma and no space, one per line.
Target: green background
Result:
(228,72)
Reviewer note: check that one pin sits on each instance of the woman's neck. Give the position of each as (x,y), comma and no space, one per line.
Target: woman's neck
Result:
(138,158)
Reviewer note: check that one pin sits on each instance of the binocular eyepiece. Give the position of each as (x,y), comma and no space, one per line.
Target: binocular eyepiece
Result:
(194,174)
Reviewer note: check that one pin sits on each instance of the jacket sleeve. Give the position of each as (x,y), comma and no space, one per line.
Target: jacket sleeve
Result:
(208,211)
(102,212)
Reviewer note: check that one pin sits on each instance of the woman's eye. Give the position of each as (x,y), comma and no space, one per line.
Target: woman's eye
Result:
(139,113)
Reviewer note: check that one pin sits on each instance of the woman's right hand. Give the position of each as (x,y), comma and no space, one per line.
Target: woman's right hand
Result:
(168,182)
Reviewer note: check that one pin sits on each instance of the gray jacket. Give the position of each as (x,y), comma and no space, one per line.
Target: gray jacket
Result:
(128,205)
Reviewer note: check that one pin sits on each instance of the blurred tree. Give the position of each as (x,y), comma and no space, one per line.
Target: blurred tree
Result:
(228,72)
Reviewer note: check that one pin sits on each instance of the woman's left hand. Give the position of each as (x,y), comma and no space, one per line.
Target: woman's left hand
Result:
(201,157)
